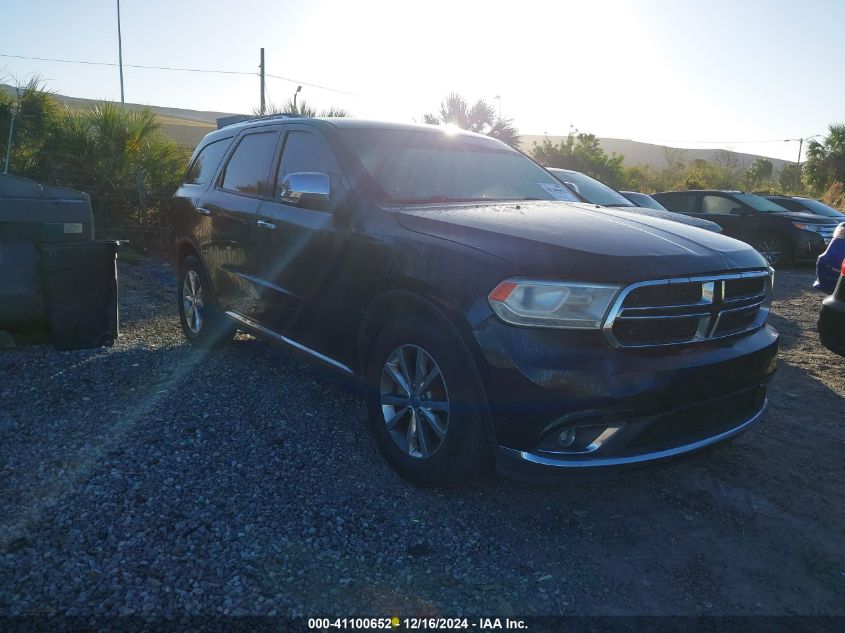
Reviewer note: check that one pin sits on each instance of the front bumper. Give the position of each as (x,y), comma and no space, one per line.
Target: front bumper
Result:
(539,466)
(809,246)
(832,324)
(659,403)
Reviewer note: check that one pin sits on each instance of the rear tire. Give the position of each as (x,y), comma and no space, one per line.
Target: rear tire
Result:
(426,407)
(202,321)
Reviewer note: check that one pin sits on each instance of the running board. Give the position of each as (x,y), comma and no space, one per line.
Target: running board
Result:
(249,324)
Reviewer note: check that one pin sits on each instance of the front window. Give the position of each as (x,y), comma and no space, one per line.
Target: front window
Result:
(759,203)
(593,190)
(420,166)
(820,208)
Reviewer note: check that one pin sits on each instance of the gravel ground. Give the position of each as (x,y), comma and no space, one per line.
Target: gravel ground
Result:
(149,479)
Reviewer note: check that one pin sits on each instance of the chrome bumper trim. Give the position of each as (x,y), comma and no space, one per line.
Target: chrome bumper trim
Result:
(607,462)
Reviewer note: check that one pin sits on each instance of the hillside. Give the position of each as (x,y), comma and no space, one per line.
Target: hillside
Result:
(189,126)
(637,153)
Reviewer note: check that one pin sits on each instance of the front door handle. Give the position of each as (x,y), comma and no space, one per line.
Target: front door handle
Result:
(203,211)
(266,225)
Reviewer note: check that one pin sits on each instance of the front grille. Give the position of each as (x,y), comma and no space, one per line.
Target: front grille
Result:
(698,422)
(688,310)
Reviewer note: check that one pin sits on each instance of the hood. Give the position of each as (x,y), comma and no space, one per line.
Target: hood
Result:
(807,217)
(582,242)
(675,217)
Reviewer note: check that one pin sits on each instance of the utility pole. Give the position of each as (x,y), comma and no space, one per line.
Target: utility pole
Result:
(120,53)
(800,147)
(261,66)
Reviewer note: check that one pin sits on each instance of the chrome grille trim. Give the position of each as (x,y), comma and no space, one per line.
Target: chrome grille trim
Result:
(708,311)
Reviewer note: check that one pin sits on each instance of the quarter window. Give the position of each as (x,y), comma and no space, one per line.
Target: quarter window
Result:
(249,165)
(678,202)
(204,165)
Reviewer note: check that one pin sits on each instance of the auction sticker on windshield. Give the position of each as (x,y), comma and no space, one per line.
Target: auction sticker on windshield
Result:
(558,192)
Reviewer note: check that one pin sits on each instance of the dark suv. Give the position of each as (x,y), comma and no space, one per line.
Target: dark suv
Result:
(486,316)
(780,235)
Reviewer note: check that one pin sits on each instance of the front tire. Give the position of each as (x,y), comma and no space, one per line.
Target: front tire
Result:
(425,404)
(203,323)
(774,249)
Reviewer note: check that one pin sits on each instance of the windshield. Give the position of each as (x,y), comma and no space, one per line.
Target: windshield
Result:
(759,203)
(419,166)
(593,190)
(643,200)
(820,208)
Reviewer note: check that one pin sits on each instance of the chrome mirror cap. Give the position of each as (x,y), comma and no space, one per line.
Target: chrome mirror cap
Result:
(306,187)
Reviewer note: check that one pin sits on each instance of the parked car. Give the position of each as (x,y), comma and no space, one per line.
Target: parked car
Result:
(486,318)
(646,201)
(830,262)
(597,192)
(807,205)
(781,236)
(832,318)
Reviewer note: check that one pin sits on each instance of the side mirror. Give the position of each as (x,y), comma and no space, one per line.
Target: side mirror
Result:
(739,211)
(572,186)
(306,188)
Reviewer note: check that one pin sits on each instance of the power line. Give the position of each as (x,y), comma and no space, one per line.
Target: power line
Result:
(777,140)
(177,69)
(93,63)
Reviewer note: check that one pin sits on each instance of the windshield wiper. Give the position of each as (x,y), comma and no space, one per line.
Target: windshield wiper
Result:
(431,199)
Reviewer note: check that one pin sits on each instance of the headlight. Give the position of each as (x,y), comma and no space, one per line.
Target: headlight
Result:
(839,233)
(815,228)
(552,304)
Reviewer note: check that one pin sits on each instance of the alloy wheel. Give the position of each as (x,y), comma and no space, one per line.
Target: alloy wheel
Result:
(770,250)
(414,401)
(192,301)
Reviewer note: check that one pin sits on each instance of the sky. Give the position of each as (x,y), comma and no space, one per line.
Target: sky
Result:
(688,73)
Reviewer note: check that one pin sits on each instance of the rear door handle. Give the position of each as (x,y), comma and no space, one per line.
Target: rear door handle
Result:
(266,225)
(203,211)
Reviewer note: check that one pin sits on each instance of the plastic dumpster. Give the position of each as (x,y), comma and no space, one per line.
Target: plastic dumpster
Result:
(32,213)
(79,282)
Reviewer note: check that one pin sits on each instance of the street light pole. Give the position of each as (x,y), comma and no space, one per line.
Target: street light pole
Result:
(120,53)
(298,88)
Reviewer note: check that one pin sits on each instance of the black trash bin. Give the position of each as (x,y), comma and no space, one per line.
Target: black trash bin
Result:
(79,282)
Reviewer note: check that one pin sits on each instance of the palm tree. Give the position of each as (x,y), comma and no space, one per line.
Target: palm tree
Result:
(826,160)
(480,117)
(303,108)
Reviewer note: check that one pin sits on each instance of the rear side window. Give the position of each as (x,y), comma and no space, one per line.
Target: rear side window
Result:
(205,164)
(718,205)
(249,165)
(305,151)
(679,202)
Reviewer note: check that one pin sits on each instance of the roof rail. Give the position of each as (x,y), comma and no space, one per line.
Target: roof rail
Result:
(241,118)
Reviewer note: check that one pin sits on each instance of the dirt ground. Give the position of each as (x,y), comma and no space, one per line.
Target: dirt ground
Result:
(149,479)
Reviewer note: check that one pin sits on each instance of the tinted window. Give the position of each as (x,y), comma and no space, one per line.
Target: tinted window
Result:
(719,205)
(680,202)
(250,163)
(204,165)
(305,151)
(593,190)
(759,203)
(643,200)
(786,203)
(413,166)
(815,206)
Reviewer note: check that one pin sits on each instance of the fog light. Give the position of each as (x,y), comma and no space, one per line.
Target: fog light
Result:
(567,438)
